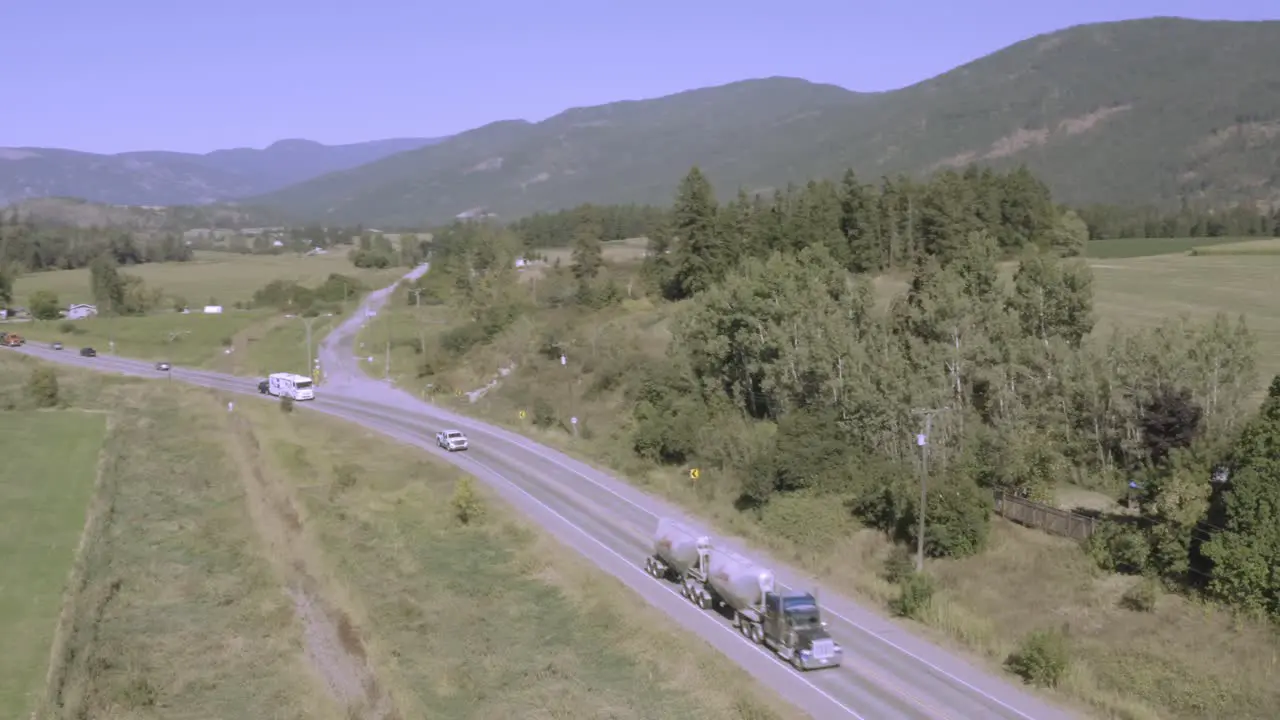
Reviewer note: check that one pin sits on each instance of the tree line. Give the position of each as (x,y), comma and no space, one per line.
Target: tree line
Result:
(26,247)
(785,378)
(1108,222)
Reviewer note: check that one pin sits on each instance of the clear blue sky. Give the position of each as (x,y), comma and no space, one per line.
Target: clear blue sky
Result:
(108,76)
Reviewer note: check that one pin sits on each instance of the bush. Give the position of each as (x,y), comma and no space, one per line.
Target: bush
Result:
(1142,596)
(1042,659)
(68,327)
(286,404)
(899,565)
(544,415)
(345,477)
(1119,548)
(42,386)
(466,502)
(915,595)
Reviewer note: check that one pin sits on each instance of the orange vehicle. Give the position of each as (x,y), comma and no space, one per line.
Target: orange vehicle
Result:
(12,340)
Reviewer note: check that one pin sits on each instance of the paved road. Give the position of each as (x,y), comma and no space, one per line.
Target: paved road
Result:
(888,673)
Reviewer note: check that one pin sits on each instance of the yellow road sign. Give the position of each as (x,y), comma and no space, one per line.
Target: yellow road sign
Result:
(521,414)
(693,473)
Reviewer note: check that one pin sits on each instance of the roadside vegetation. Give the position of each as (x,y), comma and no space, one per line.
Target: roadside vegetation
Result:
(754,344)
(239,560)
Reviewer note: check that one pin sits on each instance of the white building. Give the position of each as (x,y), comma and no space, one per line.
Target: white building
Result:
(80,311)
(212,309)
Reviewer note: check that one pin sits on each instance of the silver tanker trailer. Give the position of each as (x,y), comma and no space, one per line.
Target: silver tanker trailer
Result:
(789,623)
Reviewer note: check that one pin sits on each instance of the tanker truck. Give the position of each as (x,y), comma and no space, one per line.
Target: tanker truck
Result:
(789,623)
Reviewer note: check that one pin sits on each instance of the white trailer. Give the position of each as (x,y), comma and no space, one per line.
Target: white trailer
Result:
(296,387)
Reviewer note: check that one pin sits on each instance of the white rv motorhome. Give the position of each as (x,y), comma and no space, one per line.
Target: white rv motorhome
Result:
(298,387)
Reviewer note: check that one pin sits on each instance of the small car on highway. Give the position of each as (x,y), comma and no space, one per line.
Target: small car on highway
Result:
(451,440)
(88,352)
(163,366)
(57,346)
(264,386)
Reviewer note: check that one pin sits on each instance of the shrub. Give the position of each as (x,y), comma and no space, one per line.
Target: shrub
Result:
(1119,548)
(900,564)
(1042,659)
(1142,596)
(286,404)
(915,595)
(42,386)
(466,502)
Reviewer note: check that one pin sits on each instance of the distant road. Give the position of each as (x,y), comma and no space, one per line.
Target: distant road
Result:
(888,672)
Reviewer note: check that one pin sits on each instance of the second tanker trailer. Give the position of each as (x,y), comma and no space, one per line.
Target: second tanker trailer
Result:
(789,623)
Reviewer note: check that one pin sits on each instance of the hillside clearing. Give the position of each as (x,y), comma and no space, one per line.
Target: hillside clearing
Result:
(50,465)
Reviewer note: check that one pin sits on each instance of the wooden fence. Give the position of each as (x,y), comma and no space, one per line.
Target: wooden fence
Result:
(1052,520)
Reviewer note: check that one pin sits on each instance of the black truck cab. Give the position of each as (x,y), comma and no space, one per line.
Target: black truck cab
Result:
(793,627)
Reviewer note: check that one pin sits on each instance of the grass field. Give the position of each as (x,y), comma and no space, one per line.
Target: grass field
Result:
(1269,246)
(1142,291)
(241,341)
(212,278)
(1184,660)
(47,480)
(1146,247)
(258,564)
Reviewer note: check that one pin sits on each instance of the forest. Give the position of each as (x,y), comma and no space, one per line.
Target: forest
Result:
(786,375)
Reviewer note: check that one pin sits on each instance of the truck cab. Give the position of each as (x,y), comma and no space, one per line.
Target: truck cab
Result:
(793,628)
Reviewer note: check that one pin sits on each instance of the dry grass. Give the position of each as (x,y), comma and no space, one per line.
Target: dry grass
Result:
(1180,661)
(492,619)
(177,613)
(258,564)
(225,278)
(50,465)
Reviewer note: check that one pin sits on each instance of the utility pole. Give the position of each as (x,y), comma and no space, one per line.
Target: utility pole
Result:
(422,334)
(923,441)
(386,368)
(307,322)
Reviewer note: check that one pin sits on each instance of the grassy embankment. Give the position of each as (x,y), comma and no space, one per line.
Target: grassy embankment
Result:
(244,342)
(1184,660)
(257,563)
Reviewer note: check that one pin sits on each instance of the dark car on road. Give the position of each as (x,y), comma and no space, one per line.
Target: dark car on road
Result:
(88,352)
(263,387)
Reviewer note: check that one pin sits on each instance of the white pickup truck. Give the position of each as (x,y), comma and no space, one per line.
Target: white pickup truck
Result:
(451,440)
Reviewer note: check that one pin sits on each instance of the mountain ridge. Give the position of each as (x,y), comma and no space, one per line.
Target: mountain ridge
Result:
(164,177)
(1156,111)
(1160,111)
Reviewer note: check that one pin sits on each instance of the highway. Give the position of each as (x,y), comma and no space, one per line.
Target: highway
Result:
(888,673)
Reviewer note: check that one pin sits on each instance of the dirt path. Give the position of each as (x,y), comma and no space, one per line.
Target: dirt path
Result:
(331,639)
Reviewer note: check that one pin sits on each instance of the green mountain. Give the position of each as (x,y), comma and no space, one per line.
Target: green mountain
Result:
(172,178)
(1146,111)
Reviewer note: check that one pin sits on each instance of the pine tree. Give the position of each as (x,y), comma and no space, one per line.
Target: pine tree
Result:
(701,258)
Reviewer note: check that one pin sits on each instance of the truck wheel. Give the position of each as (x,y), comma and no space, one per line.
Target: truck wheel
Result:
(704,601)
(795,661)
(757,634)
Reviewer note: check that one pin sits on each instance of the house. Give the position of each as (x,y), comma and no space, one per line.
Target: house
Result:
(212,309)
(80,311)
